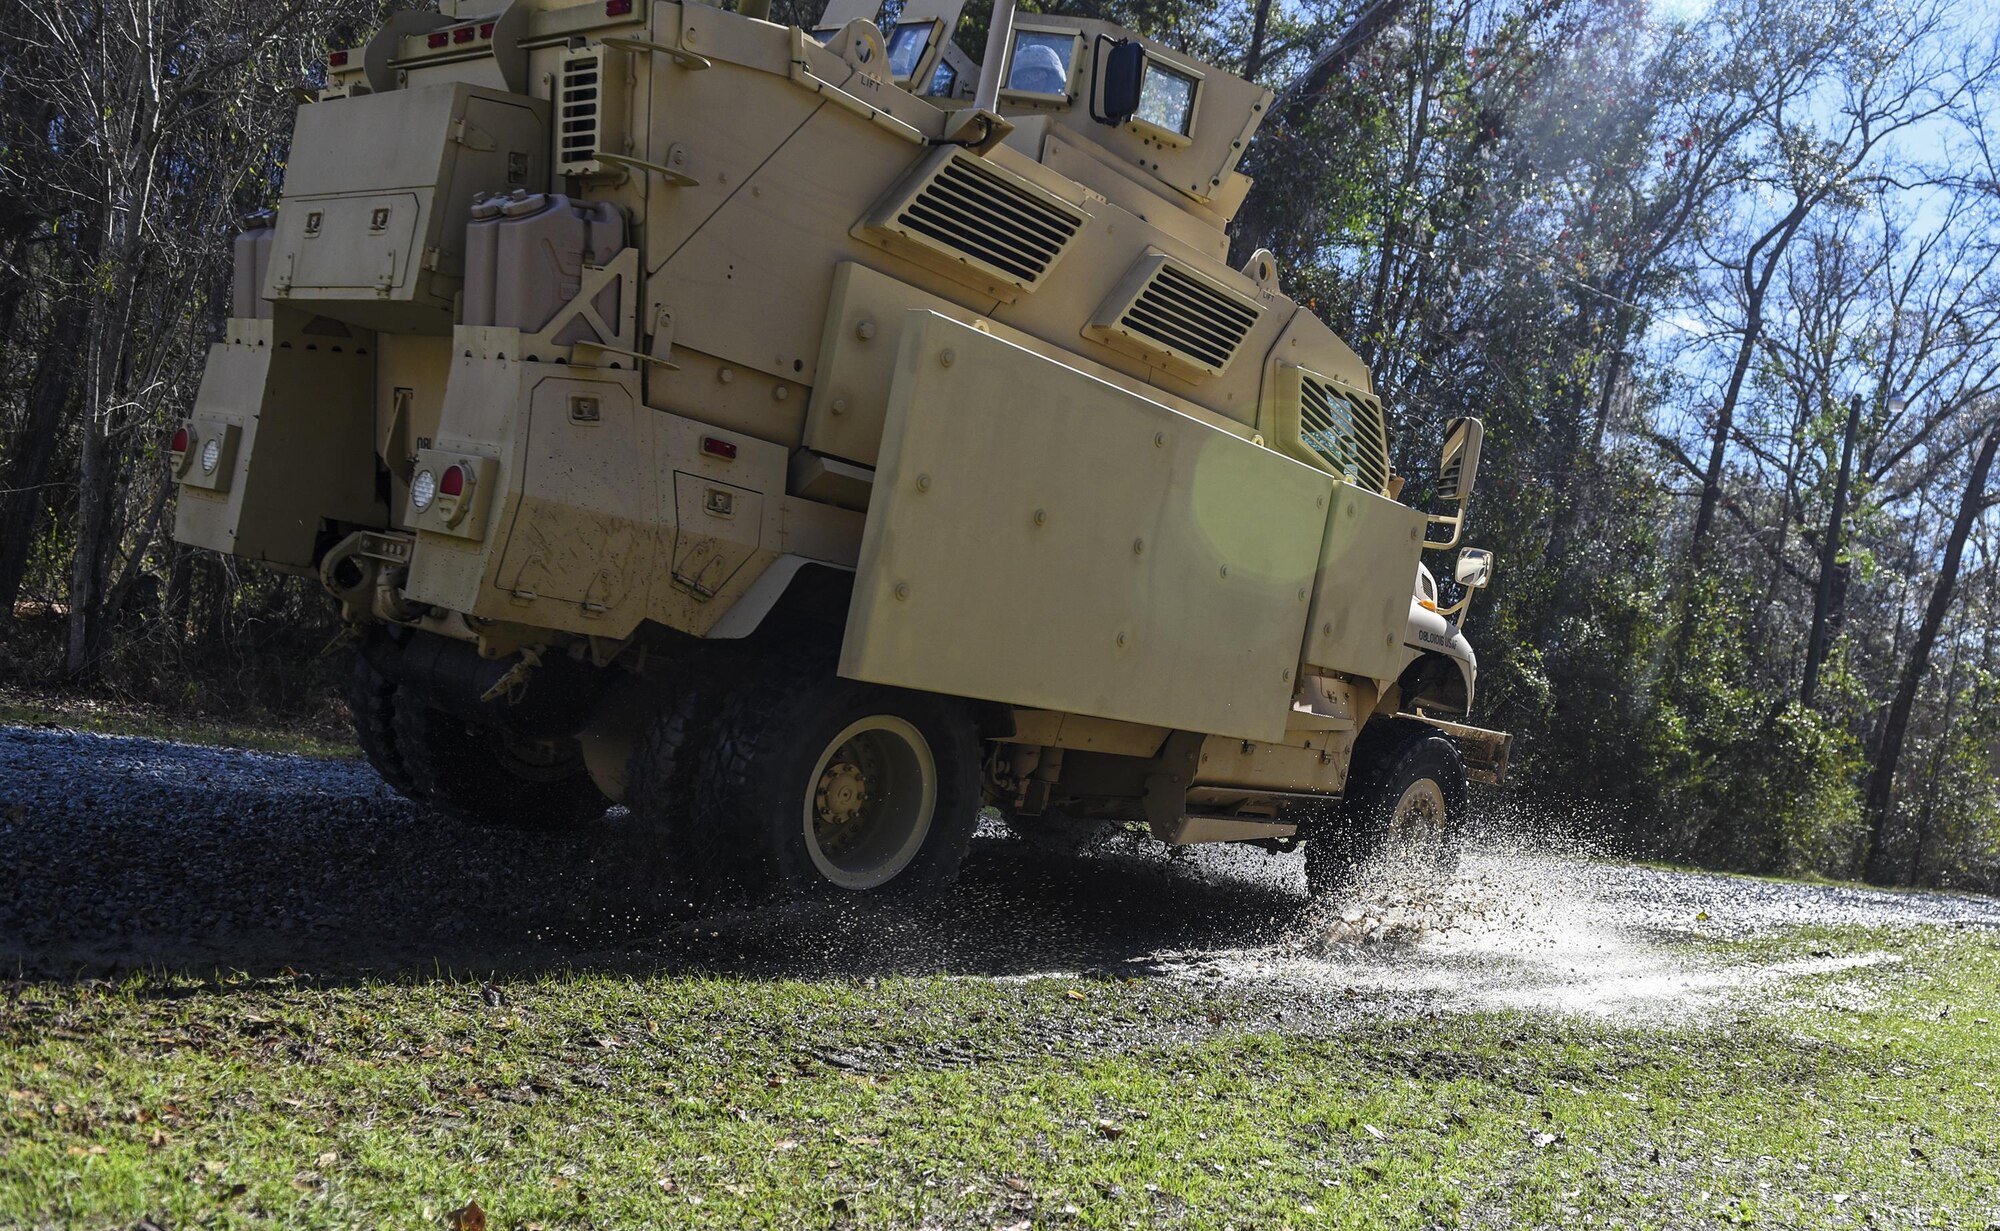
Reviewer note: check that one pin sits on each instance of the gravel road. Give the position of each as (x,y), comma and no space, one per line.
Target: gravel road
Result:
(123,853)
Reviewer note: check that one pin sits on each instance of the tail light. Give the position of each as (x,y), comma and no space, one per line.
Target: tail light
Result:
(454,493)
(440,39)
(180,451)
(462,35)
(337,60)
(617,8)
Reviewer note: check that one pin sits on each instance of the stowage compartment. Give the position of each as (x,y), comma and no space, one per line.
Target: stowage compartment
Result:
(372,227)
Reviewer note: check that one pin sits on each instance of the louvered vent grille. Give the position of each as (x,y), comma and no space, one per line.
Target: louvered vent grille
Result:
(1344,427)
(976,214)
(968,217)
(1172,317)
(1190,317)
(579,109)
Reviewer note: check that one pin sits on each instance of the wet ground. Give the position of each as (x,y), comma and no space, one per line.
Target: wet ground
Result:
(121,853)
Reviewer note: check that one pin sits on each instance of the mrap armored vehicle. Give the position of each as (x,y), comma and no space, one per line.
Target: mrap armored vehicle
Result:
(809,438)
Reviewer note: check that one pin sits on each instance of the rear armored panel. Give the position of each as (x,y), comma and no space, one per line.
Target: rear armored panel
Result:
(289,412)
(1046,539)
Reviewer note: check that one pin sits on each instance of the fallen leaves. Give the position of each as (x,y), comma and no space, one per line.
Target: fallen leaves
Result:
(468,1217)
(1110,1129)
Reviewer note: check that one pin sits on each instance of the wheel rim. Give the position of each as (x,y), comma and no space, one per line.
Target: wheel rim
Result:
(1419,815)
(537,760)
(869,802)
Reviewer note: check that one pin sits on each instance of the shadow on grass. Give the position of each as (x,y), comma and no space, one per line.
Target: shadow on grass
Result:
(135,854)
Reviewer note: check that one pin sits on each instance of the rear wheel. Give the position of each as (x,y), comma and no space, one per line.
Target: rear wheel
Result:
(1406,801)
(486,776)
(371,701)
(660,781)
(811,783)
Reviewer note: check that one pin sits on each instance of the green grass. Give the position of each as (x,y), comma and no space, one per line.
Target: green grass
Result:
(107,718)
(589,1099)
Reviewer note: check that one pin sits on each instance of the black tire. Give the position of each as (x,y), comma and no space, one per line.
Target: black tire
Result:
(660,780)
(371,700)
(1392,757)
(776,743)
(483,776)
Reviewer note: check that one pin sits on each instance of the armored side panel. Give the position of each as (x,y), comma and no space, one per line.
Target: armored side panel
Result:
(372,227)
(289,407)
(1361,606)
(1046,539)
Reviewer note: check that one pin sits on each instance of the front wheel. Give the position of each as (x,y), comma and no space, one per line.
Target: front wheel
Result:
(1406,802)
(819,784)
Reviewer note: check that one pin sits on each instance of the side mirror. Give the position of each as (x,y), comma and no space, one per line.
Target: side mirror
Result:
(1475,568)
(1114,92)
(1458,470)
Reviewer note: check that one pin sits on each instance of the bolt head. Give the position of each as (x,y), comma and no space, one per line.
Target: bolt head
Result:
(947,357)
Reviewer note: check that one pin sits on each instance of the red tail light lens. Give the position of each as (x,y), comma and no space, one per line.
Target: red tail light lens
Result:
(452,482)
(439,39)
(180,444)
(714,447)
(337,59)
(485,29)
(462,35)
(617,8)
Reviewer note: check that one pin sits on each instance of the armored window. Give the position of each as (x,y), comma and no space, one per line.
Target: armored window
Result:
(907,44)
(1041,66)
(943,81)
(1166,99)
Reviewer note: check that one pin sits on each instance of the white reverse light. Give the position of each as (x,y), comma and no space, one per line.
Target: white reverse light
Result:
(423,490)
(211,453)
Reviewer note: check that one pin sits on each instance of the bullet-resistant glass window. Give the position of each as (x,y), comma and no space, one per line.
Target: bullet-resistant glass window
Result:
(907,44)
(1166,99)
(944,80)
(1041,62)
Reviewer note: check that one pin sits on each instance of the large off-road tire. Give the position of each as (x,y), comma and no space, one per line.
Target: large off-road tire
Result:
(371,700)
(659,786)
(1406,801)
(485,776)
(809,783)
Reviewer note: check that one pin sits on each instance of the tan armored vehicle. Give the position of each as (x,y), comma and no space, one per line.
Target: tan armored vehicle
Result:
(807,438)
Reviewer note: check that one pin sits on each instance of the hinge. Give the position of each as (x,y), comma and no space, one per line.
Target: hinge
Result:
(471,136)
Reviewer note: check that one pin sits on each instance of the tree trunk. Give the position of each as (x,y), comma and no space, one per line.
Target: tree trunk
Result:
(1829,559)
(1882,779)
(34,450)
(1253,59)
